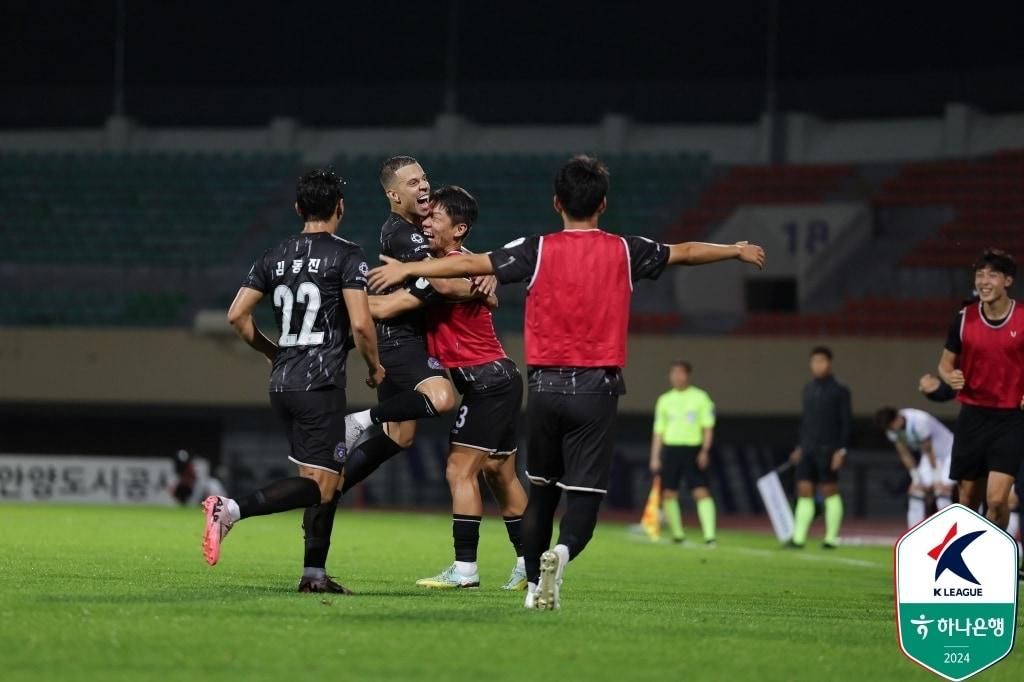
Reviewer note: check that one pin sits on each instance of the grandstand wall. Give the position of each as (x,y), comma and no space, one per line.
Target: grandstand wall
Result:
(179,367)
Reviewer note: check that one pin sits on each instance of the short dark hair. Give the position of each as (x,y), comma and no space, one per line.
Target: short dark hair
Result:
(822,350)
(318,192)
(457,203)
(684,364)
(581,185)
(885,416)
(997,260)
(391,166)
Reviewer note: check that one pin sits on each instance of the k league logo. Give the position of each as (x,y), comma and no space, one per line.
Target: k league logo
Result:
(956,593)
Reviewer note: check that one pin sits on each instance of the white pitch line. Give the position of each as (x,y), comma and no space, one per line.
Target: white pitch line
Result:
(752,551)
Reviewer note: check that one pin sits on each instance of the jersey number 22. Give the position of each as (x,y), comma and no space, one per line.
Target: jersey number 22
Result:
(283,299)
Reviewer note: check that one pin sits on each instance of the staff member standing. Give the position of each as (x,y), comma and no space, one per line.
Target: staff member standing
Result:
(684,429)
(824,435)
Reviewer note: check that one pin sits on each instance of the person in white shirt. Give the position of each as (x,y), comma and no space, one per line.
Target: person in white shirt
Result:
(913,432)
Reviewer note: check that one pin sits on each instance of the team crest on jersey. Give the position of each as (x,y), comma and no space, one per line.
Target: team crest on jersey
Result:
(433,363)
(416,238)
(340,452)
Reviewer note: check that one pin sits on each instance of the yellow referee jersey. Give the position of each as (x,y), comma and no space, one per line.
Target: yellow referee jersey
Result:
(680,417)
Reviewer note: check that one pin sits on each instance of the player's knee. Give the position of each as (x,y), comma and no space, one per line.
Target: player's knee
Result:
(669,494)
(440,394)
(459,471)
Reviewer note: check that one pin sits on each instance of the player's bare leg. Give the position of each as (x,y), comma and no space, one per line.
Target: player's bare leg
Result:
(997,498)
(462,472)
(501,477)
(971,493)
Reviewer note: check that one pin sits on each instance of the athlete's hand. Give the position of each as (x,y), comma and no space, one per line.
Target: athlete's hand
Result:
(794,457)
(956,380)
(703,459)
(751,253)
(392,273)
(837,459)
(485,284)
(376,377)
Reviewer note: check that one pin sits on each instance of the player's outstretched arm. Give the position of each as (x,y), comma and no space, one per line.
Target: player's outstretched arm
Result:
(701,253)
(394,272)
(393,304)
(241,320)
(364,333)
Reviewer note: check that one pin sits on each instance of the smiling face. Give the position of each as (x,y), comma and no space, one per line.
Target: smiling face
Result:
(991,285)
(441,230)
(409,192)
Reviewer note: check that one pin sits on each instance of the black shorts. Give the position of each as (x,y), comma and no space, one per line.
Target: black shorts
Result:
(314,422)
(406,367)
(570,439)
(678,462)
(986,439)
(816,466)
(491,397)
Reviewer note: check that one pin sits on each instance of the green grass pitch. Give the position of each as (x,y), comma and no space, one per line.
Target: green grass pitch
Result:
(124,594)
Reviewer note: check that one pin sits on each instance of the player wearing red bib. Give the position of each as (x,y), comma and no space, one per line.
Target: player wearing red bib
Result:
(983,359)
(577,315)
(483,438)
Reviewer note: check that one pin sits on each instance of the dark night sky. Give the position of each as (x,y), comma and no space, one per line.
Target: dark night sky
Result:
(54,45)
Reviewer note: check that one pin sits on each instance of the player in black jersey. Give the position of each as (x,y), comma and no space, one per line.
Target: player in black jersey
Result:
(317,282)
(401,340)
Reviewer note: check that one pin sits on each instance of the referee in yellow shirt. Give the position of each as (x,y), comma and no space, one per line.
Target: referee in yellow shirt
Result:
(684,429)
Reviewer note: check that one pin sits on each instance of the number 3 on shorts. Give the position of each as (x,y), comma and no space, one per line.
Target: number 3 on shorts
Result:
(461,420)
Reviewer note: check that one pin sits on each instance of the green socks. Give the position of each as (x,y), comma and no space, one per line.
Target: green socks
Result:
(706,513)
(674,518)
(802,519)
(833,518)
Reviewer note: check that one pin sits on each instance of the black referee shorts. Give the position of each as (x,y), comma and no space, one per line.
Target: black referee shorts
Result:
(406,367)
(679,462)
(314,422)
(987,439)
(570,439)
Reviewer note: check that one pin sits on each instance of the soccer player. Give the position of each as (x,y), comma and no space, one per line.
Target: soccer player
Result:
(917,432)
(317,282)
(684,429)
(483,438)
(401,340)
(983,359)
(577,314)
(824,436)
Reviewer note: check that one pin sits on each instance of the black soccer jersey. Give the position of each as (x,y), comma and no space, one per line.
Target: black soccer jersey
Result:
(304,276)
(403,241)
